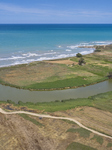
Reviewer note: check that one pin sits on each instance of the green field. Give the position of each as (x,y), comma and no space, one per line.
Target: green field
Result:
(31,119)
(99,139)
(82,132)
(78,146)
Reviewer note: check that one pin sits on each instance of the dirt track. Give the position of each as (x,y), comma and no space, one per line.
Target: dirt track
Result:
(48,116)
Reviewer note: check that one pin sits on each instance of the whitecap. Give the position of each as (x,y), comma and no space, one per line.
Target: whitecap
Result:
(87,52)
(12,58)
(73,46)
(30,54)
(68,50)
(102,42)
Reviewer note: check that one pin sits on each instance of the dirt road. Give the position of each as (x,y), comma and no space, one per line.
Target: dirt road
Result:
(53,117)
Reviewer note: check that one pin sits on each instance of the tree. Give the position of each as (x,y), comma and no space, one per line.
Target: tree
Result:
(82,61)
(110,75)
(78,55)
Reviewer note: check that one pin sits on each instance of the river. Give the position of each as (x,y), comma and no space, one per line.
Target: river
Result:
(10,93)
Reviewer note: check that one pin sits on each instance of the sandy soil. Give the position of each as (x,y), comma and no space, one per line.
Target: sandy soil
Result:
(67,62)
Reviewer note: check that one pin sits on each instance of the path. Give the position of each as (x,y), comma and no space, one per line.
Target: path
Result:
(53,117)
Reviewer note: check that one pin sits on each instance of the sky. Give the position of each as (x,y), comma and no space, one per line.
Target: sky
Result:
(55,11)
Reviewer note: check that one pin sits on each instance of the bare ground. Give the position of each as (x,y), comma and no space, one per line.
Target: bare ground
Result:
(18,133)
(91,117)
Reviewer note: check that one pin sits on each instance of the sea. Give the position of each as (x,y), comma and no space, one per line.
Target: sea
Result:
(25,43)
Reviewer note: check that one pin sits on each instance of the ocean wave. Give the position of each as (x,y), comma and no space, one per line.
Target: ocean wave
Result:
(29,54)
(26,60)
(49,53)
(102,42)
(73,46)
(12,58)
(87,52)
(79,45)
(68,50)
(59,46)
(62,52)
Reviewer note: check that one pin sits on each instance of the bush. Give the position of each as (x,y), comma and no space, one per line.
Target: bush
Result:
(81,61)
(20,103)
(78,55)
(109,75)
(97,50)
(57,100)
(10,102)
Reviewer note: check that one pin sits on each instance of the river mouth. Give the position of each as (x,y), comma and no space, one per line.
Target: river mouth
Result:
(10,93)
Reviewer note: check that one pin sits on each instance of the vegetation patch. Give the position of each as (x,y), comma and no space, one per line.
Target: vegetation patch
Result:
(72,82)
(69,122)
(31,119)
(99,139)
(51,76)
(101,101)
(82,132)
(79,146)
(109,145)
(78,55)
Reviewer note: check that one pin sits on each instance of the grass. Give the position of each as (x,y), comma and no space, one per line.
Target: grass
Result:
(97,69)
(48,76)
(57,106)
(82,132)
(79,146)
(72,82)
(31,119)
(101,101)
(109,145)
(99,139)
(69,122)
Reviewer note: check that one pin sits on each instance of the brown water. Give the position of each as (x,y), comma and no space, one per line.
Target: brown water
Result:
(10,93)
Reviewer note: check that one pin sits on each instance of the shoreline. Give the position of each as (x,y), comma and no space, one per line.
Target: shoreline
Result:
(61,58)
(54,61)
(50,59)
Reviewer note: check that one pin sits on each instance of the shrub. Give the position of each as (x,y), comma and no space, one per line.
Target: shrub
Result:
(97,50)
(57,100)
(109,75)
(10,102)
(81,61)
(78,55)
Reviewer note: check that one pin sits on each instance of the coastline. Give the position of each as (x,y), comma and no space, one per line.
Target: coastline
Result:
(25,58)
(92,49)
(59,62)
(57,59)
